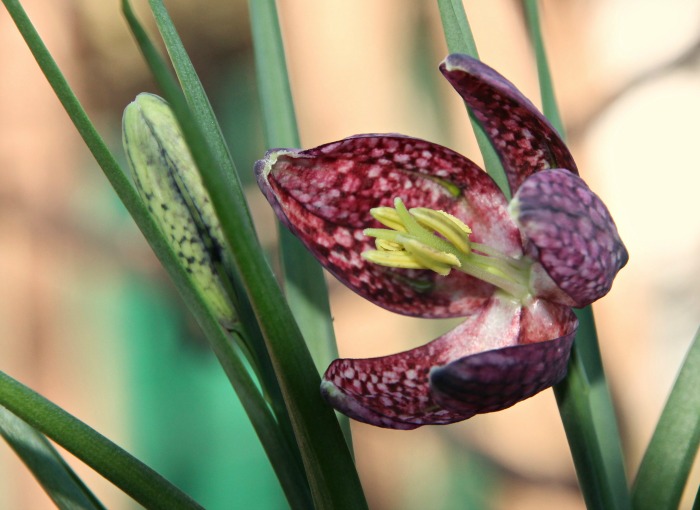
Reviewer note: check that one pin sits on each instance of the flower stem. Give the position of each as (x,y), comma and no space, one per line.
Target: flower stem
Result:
(304,283)
(584,400)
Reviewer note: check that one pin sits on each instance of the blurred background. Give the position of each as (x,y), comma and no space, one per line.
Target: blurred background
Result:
(89,319)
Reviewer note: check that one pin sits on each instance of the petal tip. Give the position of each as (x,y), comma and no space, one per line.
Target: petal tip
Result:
(576,239)
(341,401)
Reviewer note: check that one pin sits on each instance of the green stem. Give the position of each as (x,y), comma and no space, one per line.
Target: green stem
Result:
(280,448)
(549,100)
(590,423)
(126,472)
(584,400)
(304,283)
(250,333)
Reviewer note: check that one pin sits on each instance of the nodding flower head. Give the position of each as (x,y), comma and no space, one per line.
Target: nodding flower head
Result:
(420,230)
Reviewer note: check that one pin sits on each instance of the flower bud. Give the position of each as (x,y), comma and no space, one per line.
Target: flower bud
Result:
(168,181)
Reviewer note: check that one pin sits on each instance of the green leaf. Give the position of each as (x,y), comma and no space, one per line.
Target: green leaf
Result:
(231,359)
(126,472)
(458,35)
(664,470)
(62,485)
(590,424)
(584,401)
(304,283)
(549,101)
(279,446)
(329,467)
(203,114)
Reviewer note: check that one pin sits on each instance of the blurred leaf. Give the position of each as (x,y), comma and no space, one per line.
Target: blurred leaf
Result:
(56,477)
(664,470)
(126,472)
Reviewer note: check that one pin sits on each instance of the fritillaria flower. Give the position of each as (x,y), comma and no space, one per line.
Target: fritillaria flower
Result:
(420,230)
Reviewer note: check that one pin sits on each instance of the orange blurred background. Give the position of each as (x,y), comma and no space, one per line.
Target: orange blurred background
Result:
(627,76)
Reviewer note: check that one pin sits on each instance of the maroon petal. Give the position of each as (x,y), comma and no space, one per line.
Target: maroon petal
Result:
(394,391)
(497,379)
(324,196)
(575,236)
(525,141)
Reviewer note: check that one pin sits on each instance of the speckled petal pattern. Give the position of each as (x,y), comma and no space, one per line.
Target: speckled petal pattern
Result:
(576,237)
(394,391)
(324,196)
(497,379)
(524,139)
(496,358)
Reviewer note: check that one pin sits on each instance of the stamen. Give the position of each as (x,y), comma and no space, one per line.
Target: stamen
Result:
(450,227)
(388,217)
(430,258)
(424,238)
(384,245)
(401,259)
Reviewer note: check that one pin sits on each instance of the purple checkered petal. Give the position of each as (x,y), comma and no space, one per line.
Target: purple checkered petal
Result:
(525,141)
(575,237)
(394,391)
(324,195)
(497,379)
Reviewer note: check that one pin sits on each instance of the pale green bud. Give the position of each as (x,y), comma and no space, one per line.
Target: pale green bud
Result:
(170,185)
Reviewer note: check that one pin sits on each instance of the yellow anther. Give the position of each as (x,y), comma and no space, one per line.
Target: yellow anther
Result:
(450,227)
(383,244)
(388,217)
(429,258)
(401,259)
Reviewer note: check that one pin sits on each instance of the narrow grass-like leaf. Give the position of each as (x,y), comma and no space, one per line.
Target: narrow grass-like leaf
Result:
(61,483)
(589,421)
(549,100)
(126,472)
(458,35)
(304,284)
(203,114)
(283,453)
(664,470)
(584,400)
(264,423)
(330,470)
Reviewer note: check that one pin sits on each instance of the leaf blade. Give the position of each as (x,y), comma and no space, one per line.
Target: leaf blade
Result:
(128,473)
(58,480)
(669,456)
